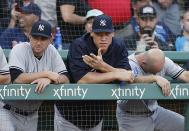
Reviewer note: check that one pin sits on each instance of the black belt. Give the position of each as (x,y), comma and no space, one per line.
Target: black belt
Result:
(147,113)
(19,111)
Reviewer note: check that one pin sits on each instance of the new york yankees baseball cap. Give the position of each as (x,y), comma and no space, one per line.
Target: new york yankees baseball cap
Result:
(102,23)
(32,8)
(41,28)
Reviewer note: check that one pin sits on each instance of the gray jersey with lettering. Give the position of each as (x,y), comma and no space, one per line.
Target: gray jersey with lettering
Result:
(22,58)
(169,69)
(4,68)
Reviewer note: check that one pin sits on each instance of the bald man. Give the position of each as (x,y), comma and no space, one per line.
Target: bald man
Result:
(147,115)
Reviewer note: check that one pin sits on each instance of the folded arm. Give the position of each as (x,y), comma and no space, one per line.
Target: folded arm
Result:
(5,79)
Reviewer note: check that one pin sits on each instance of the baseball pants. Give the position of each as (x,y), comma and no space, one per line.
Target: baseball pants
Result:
(61,124)
(161,120)
(11,121)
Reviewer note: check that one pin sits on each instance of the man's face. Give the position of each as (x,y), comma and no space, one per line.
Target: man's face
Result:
(27,20)
(165,3)
(102,40)
(39,44)
(147,23)
(185,22)
(88,25)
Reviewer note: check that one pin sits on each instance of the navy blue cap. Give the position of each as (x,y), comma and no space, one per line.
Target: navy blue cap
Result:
(41,28)
(32,8)
(147,11)
(102,23)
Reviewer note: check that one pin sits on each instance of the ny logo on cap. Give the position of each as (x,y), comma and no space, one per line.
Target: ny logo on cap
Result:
(41,27)
(102,22)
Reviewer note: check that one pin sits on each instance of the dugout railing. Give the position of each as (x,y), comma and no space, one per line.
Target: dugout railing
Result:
(107,91)
(179,91)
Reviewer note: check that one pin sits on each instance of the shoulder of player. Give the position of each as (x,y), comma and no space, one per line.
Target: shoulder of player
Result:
(21,46)
(51,50)
(168,63)
(118,43)
(81,42)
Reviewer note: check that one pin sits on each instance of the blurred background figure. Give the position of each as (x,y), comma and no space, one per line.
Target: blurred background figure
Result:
(132,25)
(90,17)
(146,37)
(48,12)
(161,30)
(182,41)
(5,11)
(168,13)
(71,18)
(16,6)
(27,16)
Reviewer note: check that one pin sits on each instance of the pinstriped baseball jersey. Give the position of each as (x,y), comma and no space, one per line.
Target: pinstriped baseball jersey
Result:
(22,58)
(169,69)
(4,68)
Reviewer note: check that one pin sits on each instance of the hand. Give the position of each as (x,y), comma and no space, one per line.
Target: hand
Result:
(41,84)
(149,41)
(164,84)
(53,76)
(62,79)
(95,62)
(14,14)
(125,75)
(154,44)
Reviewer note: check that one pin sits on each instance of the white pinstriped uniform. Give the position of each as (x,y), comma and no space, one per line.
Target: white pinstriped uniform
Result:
(162,119)
(22,58)
(4,68)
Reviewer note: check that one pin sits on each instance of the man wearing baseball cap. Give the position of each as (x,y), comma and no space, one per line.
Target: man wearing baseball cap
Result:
(35,62)
(148,32)
(27,15)
(97,57)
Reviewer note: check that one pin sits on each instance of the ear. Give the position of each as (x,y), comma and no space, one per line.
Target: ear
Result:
(29,36)
(91,34)
(113,34)
(51,38)
(143,61)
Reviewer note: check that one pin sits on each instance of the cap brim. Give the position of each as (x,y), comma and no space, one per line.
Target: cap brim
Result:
(147,16)
(39,34)
(103,30)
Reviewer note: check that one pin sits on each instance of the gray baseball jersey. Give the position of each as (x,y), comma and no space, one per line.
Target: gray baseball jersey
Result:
(22,58)
(4,68)
(161,119)
(169,69)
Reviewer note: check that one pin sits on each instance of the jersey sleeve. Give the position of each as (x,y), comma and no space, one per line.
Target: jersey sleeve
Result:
(172,69)
(4,68)
(16,58)
(136,70)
